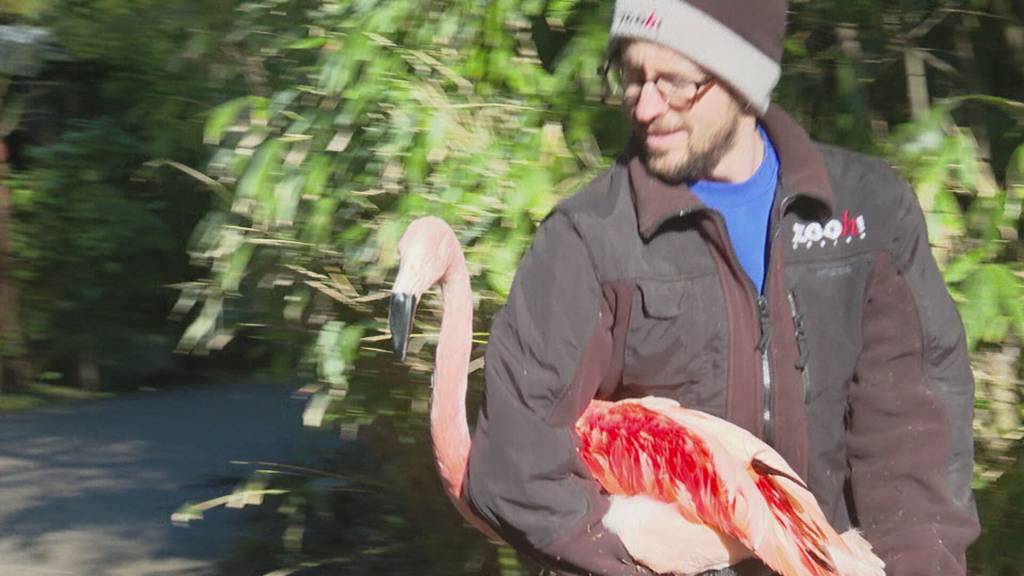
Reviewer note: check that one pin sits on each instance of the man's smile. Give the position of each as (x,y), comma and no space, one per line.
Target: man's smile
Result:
(662,141)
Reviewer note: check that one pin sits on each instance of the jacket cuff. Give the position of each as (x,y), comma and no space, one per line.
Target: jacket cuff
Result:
(592,551)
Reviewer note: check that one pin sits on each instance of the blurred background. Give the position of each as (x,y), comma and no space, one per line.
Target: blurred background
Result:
(202,191)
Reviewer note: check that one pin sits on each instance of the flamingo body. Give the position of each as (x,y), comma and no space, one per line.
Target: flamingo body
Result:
(722,476)
(690,491)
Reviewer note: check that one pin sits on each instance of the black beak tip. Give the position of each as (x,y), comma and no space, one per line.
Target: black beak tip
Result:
(400,317)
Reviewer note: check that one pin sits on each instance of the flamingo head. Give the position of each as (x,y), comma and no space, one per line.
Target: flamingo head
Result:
(426,252)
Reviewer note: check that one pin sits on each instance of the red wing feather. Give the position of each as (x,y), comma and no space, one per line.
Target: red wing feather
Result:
(633,450)
(811,541)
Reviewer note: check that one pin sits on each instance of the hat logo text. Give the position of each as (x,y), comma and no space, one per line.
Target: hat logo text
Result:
(635,19)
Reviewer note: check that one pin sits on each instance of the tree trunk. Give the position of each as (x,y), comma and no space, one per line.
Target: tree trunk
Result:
(1003,368)
(849,71)
(1013,32)
(999,422)
(969,66)
(14,369)
(917,82)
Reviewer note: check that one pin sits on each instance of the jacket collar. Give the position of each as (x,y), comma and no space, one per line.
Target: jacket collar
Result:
(802,173)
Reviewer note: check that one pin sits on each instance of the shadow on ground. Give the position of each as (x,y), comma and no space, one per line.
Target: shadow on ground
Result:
(88,490)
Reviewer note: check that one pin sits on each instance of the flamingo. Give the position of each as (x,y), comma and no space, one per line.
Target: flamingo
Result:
(689,491)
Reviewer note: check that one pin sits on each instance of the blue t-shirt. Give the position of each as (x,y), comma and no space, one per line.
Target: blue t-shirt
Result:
(746,207)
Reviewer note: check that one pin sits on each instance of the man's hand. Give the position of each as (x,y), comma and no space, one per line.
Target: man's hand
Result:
(660,538)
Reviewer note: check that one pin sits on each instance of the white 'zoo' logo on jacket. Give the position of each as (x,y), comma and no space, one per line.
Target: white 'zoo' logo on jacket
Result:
(832,232)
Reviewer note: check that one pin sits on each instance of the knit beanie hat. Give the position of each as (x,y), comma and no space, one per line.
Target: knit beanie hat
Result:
(739,41)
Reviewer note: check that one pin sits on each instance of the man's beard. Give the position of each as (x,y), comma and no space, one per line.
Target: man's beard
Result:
(702,156)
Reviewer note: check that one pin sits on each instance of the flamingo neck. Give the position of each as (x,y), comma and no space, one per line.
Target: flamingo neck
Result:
(448,426)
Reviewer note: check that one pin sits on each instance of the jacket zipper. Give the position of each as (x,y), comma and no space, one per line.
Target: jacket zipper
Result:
(801,346)
(763,312)
(763,320)
(767,403)
(768,400)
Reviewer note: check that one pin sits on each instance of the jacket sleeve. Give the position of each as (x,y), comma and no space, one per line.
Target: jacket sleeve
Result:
(911,406)
(548,349)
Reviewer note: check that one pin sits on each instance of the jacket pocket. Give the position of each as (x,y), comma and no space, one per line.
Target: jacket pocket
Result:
(663,299)
(677,342)
(828,301)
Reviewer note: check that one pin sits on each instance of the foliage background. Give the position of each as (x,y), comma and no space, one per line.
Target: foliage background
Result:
(284,144)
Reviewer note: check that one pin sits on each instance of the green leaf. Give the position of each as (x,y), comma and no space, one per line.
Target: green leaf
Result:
(945,220)
(560,10)
(337,345)
(203,326)
(962,156)
(435,143)
(318,226)
(286,199)
(280,102)
(222,117)
(1013,197)
(318,172)
(993,295)
(502,261)
(539,194)
(257,181)
(962,267)
(929,179)
(237,267)
(1010,287)
(307,43)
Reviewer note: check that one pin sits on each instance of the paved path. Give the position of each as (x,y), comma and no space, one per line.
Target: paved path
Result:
(88,489)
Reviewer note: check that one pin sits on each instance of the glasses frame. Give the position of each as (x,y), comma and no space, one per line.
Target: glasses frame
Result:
(667,90)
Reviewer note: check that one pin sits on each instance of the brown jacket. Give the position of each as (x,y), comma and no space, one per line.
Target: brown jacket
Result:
(853,364)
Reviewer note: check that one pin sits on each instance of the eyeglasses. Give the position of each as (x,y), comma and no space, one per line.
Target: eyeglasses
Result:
(675,91)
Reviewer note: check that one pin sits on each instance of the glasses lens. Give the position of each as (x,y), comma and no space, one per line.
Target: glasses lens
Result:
(614,78)
(614,86)
(678,93)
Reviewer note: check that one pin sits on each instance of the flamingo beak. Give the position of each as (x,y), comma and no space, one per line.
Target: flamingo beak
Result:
(403,308)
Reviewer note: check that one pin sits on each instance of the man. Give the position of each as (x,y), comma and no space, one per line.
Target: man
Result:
(729,263)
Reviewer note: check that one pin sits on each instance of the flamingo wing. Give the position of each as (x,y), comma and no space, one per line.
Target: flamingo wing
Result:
(633,449)
(795,538)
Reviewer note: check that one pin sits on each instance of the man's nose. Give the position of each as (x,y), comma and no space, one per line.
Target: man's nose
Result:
(650,105)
